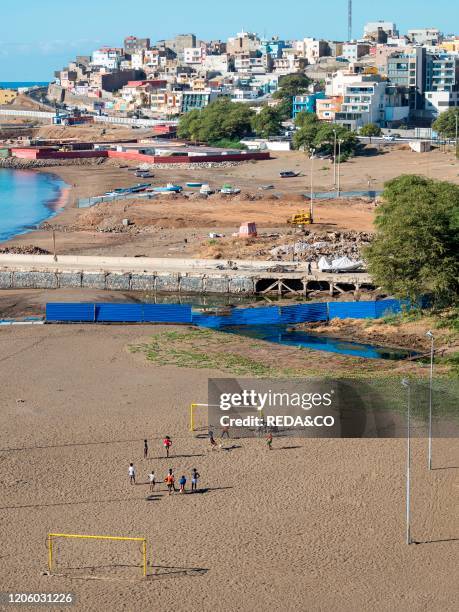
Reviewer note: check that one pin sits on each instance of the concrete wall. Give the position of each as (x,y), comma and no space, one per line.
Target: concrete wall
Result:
(167,282)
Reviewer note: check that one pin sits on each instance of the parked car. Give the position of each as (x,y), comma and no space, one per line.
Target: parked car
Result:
(389,138)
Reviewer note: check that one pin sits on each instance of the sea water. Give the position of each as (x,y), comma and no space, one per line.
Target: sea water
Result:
(27,198)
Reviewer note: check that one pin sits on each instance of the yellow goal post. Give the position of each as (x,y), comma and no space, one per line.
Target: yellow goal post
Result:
(52,536)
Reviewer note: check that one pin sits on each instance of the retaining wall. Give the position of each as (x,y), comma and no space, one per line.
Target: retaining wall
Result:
(161,282)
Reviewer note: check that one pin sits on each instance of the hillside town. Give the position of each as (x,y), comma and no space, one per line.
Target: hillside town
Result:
(384,77)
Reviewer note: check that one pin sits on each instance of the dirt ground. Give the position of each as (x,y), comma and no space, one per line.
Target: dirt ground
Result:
(177,226)
(314,524)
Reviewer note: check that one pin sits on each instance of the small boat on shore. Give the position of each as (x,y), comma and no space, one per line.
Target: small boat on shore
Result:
(169,188)
(191,184)
(229,190)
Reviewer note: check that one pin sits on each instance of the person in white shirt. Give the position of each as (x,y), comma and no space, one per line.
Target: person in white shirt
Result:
(152,480)
(131,472)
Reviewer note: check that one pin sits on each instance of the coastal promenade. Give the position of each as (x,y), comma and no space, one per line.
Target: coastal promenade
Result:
(172,275)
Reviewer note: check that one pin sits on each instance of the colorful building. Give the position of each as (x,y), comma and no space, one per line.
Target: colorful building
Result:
(306,103)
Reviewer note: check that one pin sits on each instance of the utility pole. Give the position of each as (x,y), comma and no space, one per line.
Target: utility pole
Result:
(311,207)
(339,167)
(334,158)
(349,20)
(406,384)
(430,335)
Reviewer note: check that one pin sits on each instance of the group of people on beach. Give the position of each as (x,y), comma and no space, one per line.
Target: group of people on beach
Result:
(170,478)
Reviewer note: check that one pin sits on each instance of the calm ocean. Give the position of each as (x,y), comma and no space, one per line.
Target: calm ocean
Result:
(16,84)
(27,198)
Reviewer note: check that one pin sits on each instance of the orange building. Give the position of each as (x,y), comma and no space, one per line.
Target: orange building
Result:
(327,108)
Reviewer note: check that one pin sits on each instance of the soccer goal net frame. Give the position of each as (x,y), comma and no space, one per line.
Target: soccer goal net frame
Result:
(75,536)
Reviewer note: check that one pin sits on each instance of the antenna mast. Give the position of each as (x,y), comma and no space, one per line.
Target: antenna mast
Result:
(349,21)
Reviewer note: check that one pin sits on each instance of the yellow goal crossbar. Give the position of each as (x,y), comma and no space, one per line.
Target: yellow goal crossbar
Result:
(95,537)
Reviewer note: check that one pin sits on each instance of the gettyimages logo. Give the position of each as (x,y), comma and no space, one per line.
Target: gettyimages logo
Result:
(273,399)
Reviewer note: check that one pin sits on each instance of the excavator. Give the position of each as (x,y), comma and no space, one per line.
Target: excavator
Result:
(302,217)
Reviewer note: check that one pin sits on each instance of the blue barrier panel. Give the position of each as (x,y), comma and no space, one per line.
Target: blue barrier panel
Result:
(265,315)
(301,313)
(351,310)
(119,313)
(69,312)
(389,307)
(167,313)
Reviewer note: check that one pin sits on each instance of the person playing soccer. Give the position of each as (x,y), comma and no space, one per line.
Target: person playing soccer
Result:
(170,481)
(194,480)
(167,443)
(182,483)
(152,479)
(145,449)
(269,441)
(131,472)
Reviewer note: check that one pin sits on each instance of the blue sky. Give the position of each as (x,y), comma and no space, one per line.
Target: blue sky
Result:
(40,36)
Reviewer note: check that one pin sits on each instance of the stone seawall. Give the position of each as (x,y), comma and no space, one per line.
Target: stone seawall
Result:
(165,282)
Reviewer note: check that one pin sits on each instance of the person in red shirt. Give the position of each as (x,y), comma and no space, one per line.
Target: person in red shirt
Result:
(167,443)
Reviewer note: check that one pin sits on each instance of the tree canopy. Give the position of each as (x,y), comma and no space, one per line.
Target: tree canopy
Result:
(416,247)
(445,125)
(268,122)
(219,121)
(290,85)
(370,129)
(320,136)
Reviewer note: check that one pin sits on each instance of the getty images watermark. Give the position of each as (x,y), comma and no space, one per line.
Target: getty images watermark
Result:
(326,407)
(268,405)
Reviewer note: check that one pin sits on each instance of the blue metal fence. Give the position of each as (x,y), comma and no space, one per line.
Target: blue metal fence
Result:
(118,313)
(182,313)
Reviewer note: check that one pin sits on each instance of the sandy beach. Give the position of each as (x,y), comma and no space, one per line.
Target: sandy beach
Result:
(315,525)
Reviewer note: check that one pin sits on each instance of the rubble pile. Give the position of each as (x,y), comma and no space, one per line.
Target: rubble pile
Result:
(324,244)
(27,249)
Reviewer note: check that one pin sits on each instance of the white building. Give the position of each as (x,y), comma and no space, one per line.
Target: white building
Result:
(193,55)
(425,36)
(137,60)
(217,63)
(438,102)
(389,27)
(363,102)
(107,57)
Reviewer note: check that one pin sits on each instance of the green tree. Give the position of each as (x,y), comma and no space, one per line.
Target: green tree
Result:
(370,129)
(290,85)
(325,138)
(268,122)
(314,134)
(304,119)
(220,120)
(446,123)
(416,247)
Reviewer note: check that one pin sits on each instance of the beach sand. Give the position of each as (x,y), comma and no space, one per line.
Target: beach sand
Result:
(312,525)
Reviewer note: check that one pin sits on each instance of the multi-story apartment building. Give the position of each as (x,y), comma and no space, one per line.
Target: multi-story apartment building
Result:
(363,102)
(107,57)
(194,55)
(243,42)
(373,27)
(326,108)
(354,51)
(425,36)
(132,44)
(306,103)
(192,100)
